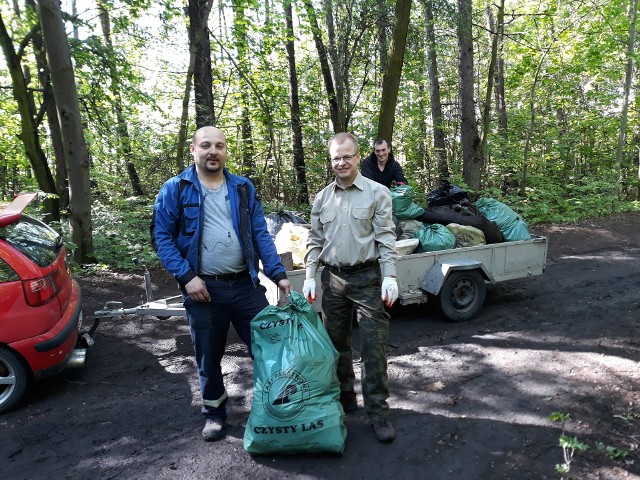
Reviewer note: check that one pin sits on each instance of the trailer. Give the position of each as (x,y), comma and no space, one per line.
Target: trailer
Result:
(455,278)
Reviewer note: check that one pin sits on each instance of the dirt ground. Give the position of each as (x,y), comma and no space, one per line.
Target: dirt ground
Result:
(469,400)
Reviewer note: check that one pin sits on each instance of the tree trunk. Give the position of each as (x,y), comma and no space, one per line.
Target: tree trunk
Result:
(75,149)
(391,82)
(383,40)
(324,65)
(633,14)
(200,47)
(248,166)
(437,116)
(49,103)
(184,118)
(28,127)
(472,161)
(501,104)
(124,141)
(337,56)
(486,110)
(296,125)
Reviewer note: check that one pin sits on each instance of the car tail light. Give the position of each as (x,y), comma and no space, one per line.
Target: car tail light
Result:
(39,291)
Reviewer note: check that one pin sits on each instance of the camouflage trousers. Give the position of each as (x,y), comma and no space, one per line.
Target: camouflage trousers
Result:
(343,294)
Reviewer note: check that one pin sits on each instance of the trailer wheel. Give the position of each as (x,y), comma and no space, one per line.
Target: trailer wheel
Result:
(462,295)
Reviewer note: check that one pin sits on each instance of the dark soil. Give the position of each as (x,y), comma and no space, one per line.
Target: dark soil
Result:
(469,400)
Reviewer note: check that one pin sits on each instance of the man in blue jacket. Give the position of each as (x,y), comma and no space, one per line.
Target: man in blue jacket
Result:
(381,167)
(210,233)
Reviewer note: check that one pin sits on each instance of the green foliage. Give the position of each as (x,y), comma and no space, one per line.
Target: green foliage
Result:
(560,417)
(568,444)
(629,418)
(563,59)
(547,201)
(614,453)
(121,232)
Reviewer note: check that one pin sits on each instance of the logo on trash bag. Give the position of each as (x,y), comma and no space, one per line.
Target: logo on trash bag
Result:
(285,394)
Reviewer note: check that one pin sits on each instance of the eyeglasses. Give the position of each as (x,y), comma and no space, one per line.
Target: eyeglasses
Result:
(346,158)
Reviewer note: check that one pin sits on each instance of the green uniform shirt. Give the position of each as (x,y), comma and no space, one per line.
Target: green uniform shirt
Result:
(351,226)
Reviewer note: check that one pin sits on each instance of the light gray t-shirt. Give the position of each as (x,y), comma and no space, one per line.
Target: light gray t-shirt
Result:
(220,250)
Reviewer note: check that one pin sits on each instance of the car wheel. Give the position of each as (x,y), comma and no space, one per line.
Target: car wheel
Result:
(462,295)
(13,379)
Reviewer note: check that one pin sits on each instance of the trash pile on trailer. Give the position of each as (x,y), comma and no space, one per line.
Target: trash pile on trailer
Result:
(450,220)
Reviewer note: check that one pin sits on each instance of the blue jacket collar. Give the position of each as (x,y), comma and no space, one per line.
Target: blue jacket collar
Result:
(191,175)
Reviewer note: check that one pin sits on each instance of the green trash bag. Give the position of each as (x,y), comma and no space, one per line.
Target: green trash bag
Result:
(402,204)
(512,225)
(434,237)
(296,406)
(467,235)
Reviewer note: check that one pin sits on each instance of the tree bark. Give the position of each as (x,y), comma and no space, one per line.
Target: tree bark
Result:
(472,160)
(75,149)
(184,118)
(49,105)
(248,166)
(501,104)
(437,116)
(383,40)
(337,57)
(324,66)
(28,126)
(391,82)
(486,109)
(124,140)
(633,14)
(200,47)
(296,125)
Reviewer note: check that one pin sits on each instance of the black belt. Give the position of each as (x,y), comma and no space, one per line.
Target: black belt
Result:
(226,276)
(353,268)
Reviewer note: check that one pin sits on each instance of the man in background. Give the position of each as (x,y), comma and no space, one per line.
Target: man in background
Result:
(381,167)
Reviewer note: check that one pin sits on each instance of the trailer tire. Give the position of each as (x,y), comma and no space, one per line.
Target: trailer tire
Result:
(462,295)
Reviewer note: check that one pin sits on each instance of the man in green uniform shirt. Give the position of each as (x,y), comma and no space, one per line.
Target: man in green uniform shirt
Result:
(353,235)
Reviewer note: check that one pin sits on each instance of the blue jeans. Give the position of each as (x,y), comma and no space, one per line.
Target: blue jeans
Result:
(234,302)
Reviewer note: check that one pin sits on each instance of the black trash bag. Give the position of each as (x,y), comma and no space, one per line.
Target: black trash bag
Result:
(447,194)
(399,230)
(277,219)
(464,214)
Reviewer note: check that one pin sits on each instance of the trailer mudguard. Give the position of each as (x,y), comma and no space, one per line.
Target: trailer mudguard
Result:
(437,275)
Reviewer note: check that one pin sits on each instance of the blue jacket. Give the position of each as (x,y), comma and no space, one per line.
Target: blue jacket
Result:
(178,227)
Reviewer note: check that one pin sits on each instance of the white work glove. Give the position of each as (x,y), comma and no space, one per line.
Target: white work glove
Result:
(309,289)
(389,290)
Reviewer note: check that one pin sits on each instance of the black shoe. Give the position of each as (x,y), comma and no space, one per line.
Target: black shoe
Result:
(348,401)
(385,432)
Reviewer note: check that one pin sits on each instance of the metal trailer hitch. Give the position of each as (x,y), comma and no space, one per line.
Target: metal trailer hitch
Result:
(161,309)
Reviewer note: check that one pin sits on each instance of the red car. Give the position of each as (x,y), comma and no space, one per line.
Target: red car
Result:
(40,313)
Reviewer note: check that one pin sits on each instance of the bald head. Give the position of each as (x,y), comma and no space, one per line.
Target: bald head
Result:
(210,130)
(209,150)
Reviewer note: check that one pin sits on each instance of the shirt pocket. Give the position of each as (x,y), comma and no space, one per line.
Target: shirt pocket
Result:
(362,224)
(328,216)
(190,223)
